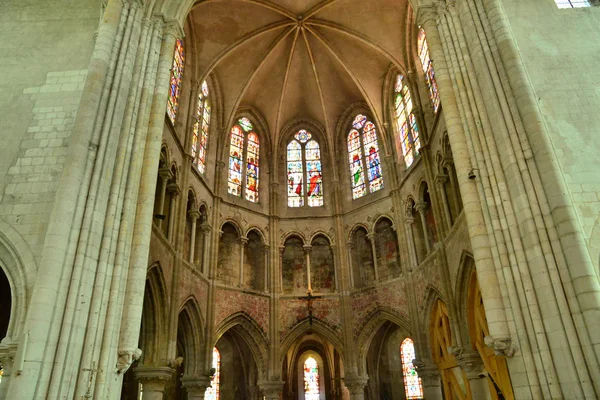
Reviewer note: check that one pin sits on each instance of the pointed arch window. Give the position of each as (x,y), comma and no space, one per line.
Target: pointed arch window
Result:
(408,131)
(303,151)
(176,75)
(413,387)
(311,379)
(244,149)
(363,149)
(428,71)
(200,135)
(213,392)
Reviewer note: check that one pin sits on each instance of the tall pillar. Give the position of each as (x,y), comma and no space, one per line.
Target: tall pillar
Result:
(440,180)
(206,228)
(266,250)
(412,251)
(193,215)
(430,378)
(356,385)
(349,247)
(174,190)
(165,176)
(371,237)
(307,248)
(472,364)
(243,243)
(195,386)
(153,380)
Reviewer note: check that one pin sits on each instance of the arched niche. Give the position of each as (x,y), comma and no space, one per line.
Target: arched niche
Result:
(228,263)
(387,250)
(361,254)
(430,223)
(254,261)
(418,233)
(309,364)
(5,304)
(322,269)
(293,267)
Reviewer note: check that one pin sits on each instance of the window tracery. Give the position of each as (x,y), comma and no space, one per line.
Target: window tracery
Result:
(408,141)
(428,71)
(413,386)
(363,148)
(200,134)
(244,147)
(304,151)
(213,392)
(176,76)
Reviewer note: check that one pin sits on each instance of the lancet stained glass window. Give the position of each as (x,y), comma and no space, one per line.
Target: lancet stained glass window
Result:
(311,379)
(200,136)
(213,392)
(573,3)
(408,132)
(176,75)
(412,383)
(428,71)
(363,149)
(297,159)
(244,147)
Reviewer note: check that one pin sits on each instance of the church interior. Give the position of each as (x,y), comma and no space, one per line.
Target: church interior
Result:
(300,199)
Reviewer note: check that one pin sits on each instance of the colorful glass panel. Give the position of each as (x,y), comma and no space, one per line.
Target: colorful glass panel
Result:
(303,136)
(200,134)
(573,3)
(314,183)
(412,383)
(372,155)
(236,153)
(356,165)
(295,174)
(311,379)
(213,392)
(245,124)
(428,71)
(362,144)
(176,75)
(252,167)
(408,133)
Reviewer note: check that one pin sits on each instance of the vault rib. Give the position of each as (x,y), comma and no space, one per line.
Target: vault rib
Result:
(283,89)
(319,87)
(263,3)
(248,37)
(356,80)
(319,7)
(253,73)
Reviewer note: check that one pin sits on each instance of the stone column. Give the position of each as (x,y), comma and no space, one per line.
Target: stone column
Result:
(349,247)
(371,237)
(153,380)
(206,228)
(412,251)
(174,191)
(193,215)
(195,386)
(271,389)
(440,180)
(307,248)
(430,378)
(8,352)
(421,207)
(243,242)
(165,176)
(266,250)
(472,364)
(356,385)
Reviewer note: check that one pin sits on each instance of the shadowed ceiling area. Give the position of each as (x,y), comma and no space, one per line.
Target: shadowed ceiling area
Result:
(299,58)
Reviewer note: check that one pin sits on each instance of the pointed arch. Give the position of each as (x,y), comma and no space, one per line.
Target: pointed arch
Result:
(317,327)
(191,327)
(377,318)
(154,312)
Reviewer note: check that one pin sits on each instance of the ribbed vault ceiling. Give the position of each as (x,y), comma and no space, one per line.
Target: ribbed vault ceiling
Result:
(299,58)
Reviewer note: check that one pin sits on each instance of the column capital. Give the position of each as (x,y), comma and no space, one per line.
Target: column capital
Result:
(243,240)
(165,173)
(356,383)
(471,363)
(427,371)
(421,207)
(196,385)
(371,236)
(426,14)
(173,28)
(271,389)
(349,244)
(193,214)
(307,248)
(441,179)
(502,347)
(408,221)
(173,189)
(206,228)
(126,357)
(153,374)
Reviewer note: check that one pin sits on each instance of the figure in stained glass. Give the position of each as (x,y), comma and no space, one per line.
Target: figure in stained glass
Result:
(364,133)
(175,83)
(300,154)
(244,145)
(413,387)
(407,139)
(200,133)
(311,379)
(214,392)
(428,71)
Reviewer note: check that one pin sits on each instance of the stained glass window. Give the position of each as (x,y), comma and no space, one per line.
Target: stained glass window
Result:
(412,383)
(244,145)
(363,149)
(408,133)
(175,86)
(311,379)
(213,392)
(200,136)
(428,71)
(304,151)
(572,3)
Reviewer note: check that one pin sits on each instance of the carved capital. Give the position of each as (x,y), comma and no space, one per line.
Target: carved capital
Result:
(421,207)
(502,347)
(408,221)
(272,388)
(355,383)
(153,375)
(193,214)
(472,364)
(243,240)
(441,179)
(165,173)
(427,371)
(427,14)
(371,236)
(206,228)
(196,384)
(307,248)
(126,358)
(173,28)
(173,189)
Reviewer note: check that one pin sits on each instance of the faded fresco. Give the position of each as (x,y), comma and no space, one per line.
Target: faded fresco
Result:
(363,267)
(228,264)
(293,268)
(322,270)
(386,246)
(254,262)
